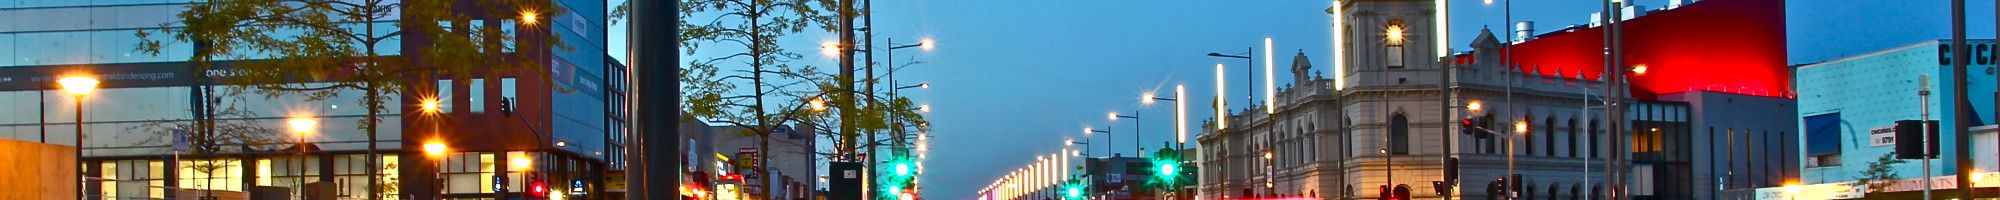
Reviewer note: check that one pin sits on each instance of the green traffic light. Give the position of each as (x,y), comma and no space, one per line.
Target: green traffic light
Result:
(1167,169)
(903,169)
(1075,192)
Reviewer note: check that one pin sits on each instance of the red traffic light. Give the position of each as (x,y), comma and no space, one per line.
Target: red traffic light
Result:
(538,188)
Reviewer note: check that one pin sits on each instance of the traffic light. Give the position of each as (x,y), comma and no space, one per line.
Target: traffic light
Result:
(1479,127)
(1442,187)
(507,106)
(1910,136)
(537,188)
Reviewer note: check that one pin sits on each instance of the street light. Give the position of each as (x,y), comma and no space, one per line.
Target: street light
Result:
(529,17)
(79,86)
(1135,130)
(1520,127)
(1792,190)
(436,151)
(429,105)
(302,125)
(1180,112)
(1474,106)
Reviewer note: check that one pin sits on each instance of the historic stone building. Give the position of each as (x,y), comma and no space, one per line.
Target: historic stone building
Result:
(1388,118)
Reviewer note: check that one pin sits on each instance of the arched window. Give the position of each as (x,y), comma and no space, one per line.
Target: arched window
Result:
(1553,194)
(1576,192)
(1594,131)
(1527,139)
(1549,135)
(1399,134)
(1572,138)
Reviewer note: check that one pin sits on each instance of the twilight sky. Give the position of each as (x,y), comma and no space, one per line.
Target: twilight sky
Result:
(1012,79)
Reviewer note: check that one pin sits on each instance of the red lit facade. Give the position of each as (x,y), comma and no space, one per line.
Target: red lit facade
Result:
(1730,46)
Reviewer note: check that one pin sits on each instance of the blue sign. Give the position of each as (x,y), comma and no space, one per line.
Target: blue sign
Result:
(499,184)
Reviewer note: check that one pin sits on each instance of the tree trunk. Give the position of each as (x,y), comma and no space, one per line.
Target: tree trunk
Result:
(369,123)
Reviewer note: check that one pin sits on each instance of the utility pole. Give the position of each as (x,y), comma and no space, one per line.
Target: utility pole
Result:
(655,56)
(1962,111)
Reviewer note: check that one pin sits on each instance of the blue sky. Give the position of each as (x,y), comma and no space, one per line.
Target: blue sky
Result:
(1012,79)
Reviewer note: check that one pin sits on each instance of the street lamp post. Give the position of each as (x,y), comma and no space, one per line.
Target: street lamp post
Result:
(1180,113)
(1135,131)
(1107,137)
(302,126)
(79,87)
(1249,64)
(436,151)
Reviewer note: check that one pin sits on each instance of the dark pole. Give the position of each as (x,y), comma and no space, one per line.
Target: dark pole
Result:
(79,147)
(1962,112)
(868,65)
(655,52)
(1610,90)
(45,114)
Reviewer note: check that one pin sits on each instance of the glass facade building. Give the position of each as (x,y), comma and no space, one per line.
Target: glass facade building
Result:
(567,128)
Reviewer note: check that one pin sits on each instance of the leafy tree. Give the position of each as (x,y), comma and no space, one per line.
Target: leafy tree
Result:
(1881,173)
(751,28)
(322,48)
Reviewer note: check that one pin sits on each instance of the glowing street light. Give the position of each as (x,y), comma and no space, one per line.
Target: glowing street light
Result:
(926,108)
(1792,190)
(1394,33)
(1474,106)
(529,17)
(817,104)
(1639,70)
(829,48)
(1521,127)
(429,105)
(927,44)
(302,125)
(78,86)
(434,149)
(520,163)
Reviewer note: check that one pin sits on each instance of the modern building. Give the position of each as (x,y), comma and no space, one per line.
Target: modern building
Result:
(565,129)
(1849,107)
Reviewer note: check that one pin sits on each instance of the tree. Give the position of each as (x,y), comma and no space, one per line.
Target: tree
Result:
(322,48)
(753,27)
(1881,173)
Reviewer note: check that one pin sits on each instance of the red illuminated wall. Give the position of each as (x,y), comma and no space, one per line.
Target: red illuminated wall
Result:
(1733,46)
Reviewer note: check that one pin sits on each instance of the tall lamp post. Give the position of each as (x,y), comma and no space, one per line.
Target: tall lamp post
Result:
(1113,116)
(302,127)
(1180,113)
(1107,138)
(436,151)
(79,87)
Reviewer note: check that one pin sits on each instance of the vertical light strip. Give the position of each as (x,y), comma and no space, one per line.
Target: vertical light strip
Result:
(1270,80)
(1443,16)
(1180,113)
(1339,46)
(1221,102)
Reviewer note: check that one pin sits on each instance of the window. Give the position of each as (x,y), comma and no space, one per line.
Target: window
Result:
(1399,134)
(475,94)
(1528,137)
(444,95)
(1594,148)
(1549,135)
(1572,138)
(1823,140)
(507,88)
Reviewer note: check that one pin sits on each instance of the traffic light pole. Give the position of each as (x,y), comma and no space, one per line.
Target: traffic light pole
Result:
(656,75)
